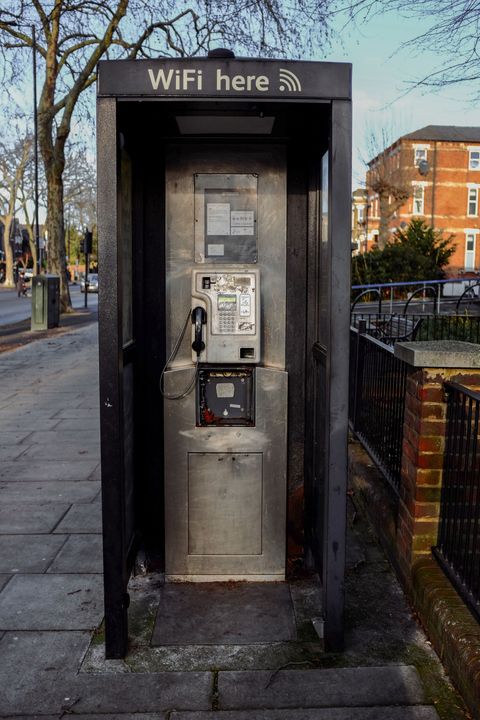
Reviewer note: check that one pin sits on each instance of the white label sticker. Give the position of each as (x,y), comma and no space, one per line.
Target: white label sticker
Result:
(218,219)
(225,390)
(247,230)
(242,218)
(237,407)
(216,249)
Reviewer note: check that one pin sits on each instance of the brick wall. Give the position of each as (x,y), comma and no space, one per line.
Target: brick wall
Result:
(445,192)
(422,461)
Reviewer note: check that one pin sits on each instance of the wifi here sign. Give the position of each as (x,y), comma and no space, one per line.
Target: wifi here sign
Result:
(214,77)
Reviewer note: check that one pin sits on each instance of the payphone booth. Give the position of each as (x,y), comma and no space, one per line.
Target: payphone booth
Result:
(224,241)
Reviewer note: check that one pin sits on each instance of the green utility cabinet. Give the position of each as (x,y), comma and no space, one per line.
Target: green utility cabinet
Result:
(45,302)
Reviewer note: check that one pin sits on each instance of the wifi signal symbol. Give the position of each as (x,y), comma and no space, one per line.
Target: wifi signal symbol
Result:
(289,81)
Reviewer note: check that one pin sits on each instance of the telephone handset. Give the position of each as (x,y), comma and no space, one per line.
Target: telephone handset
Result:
(226,300)
(199,318)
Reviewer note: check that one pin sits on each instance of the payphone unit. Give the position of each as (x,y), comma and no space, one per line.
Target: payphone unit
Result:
(226,315)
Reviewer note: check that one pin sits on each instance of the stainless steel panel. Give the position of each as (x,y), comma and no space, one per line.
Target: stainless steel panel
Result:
(267,438)
(268,163)
(225,503)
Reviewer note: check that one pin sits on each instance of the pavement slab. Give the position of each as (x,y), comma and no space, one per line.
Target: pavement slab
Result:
(61,435)
(416,712)
(49,491)
(82,518)
(238,613)
(80,554)
(66,451)
(27,470)
(330,687)
(4,580)
(28,553)
(26,518)
(31,666)
(52,602)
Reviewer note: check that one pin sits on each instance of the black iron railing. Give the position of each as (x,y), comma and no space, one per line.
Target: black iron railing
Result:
(376,401)
(391,328)
(458,547)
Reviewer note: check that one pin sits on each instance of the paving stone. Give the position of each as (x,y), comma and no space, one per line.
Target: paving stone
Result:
(334,687)
(60,435)
(82,518)
(239,613)
(106,716)
(52,602)
(49,491)
(28,553)
(80,554)
(32,665)
(412,712)
(24,518)
(12,451)
(27,424)
(77,424)
(4,580)
(66,451)
(142,693)
(73,413)
(9,437)
(80,469)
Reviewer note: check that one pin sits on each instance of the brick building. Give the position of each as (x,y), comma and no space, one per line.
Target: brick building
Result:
(432,174)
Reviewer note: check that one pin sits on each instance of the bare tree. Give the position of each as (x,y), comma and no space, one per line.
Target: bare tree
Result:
(14,159)
(72,36)
(387,179)
(453,35)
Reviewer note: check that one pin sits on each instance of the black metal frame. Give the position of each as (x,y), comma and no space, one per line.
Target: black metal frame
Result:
(317,322)
(458,545)
(377,401)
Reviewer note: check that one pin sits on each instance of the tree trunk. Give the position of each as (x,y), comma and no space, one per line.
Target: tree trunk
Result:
(32,244)
(7,228)
(56,259)
(383,225)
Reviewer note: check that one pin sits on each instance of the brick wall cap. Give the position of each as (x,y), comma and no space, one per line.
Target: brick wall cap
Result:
(439,354)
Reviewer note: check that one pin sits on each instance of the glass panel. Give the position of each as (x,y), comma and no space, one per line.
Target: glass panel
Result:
(125,240)
(474,160)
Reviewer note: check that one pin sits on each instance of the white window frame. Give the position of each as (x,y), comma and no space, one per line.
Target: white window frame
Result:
(472,198)
(360,213)
(419,153)
(474,162)
(470,234)
(418,187)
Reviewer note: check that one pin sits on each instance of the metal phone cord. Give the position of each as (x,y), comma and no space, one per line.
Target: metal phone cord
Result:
(193,381)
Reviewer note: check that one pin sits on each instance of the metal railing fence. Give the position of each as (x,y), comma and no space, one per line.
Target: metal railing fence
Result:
(376,401)
(430,327)
(458,546)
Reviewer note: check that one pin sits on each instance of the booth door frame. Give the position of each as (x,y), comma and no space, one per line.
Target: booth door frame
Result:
(119,542)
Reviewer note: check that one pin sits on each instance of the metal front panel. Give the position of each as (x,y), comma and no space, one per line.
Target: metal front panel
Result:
(182,165)
(267,440)
(225,503)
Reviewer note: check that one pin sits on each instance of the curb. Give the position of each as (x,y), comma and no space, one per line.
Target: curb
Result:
(452,629)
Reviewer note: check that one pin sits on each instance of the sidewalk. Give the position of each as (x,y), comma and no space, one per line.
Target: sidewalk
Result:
(51,587)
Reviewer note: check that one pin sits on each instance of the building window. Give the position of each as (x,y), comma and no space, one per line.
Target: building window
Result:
(420,154)
(470,238)
(360,214)
(418,199)
(472,209)
(474,159)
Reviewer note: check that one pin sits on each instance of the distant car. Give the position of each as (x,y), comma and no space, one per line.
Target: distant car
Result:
(92,280)
(28,273)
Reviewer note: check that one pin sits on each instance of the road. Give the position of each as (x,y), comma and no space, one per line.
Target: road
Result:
(14,309)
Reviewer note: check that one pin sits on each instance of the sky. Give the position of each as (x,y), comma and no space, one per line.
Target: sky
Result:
(382,74)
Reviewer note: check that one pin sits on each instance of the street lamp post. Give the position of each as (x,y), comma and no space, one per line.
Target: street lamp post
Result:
(35,151)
